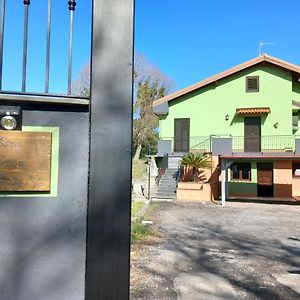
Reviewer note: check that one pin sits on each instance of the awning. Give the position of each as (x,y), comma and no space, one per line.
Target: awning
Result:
(253,111)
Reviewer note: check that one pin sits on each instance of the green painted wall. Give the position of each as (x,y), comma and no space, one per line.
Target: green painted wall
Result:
(208,106)
(247,188)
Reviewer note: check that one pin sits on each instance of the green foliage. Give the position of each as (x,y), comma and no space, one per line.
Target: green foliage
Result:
(152,207)
(139,168)
(193,165)
(136,206)
(139,231)
(196,161)
(151,147)
(150,85)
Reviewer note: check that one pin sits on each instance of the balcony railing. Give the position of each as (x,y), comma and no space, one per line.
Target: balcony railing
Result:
(268,143)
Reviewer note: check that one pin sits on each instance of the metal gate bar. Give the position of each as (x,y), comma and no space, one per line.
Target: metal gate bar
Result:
(71,7)
(48,48)
(2,20)
(25,42)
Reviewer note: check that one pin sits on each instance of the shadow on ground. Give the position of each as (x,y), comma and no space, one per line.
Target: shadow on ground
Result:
(243,245)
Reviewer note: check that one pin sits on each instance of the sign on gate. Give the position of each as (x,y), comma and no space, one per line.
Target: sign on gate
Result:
(25,161)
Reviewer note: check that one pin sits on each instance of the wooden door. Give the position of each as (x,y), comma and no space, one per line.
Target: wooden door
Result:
(252,134)
(181,135)
(265,179)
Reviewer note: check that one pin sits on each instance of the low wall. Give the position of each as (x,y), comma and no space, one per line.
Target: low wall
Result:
(194,191)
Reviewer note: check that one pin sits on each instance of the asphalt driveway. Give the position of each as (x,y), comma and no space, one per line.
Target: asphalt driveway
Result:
(241,251)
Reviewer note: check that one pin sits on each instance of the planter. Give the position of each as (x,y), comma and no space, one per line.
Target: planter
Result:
(194,191)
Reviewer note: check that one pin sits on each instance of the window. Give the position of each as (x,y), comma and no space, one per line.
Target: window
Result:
(252,84)
(296,169)
(241,171)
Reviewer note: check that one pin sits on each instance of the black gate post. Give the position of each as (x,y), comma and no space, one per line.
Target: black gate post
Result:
(108,238)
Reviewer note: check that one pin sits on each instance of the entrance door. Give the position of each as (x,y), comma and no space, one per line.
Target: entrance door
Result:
(181,135)
(265,185)
(252,134)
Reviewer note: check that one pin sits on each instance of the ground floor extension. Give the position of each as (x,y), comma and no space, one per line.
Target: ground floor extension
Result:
(260,176)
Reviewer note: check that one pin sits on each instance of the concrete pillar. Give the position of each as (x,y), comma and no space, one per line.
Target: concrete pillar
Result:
(153,167)
(223,182)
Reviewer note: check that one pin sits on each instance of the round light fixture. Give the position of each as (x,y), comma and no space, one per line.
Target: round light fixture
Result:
(8,123)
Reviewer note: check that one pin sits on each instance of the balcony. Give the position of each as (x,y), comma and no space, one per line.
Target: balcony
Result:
(203,144)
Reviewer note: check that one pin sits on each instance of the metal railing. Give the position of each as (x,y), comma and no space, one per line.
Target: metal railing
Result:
(200,144)
(70,4)
(269,143)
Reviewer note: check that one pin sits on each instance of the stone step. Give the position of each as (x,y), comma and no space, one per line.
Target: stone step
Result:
(163,195)
(165,180)
(166,191)
(159,199)
(167,183)
(167,186)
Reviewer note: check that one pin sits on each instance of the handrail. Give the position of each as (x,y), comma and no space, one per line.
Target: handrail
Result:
(201,143)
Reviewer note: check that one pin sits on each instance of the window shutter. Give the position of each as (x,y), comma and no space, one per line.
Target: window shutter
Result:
(252,84)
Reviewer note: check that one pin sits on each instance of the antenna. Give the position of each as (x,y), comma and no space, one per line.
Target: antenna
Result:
(260,46)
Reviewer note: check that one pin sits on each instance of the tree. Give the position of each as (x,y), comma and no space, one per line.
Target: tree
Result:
(150,84)
(193,165)
(82,85)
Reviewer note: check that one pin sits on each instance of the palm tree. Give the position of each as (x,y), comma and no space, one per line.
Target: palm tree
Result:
(195,163)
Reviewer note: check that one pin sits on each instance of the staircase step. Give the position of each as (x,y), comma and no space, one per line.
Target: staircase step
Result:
(167,185)
(166,191)
(172,196)
(160,199)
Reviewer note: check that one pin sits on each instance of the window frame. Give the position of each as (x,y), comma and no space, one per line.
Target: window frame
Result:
(247,85)
(294,168)
(240,171)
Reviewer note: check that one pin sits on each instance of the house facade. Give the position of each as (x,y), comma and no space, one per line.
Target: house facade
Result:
(247,117)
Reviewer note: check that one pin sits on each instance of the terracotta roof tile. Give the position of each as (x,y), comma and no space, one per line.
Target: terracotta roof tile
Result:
(253,111)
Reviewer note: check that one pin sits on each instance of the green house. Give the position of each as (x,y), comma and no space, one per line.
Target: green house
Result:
(248,117)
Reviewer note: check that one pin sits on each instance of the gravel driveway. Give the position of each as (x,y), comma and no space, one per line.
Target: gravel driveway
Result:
(245,245)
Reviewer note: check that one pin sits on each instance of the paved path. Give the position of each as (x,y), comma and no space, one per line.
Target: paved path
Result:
(242,251)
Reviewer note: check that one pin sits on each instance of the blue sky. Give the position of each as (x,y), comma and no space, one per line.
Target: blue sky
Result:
(190,40)
(12,68)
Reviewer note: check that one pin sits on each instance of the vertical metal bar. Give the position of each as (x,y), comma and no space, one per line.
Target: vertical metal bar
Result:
(149,177)
(108,236)
(72,5)
(2,19)
(48,48)
(25,38)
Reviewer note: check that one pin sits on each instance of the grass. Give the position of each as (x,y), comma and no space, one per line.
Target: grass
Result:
(136,206)
(152,207)
(139,169)
(140,232)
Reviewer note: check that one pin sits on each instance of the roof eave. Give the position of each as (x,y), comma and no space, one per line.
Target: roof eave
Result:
(229,72)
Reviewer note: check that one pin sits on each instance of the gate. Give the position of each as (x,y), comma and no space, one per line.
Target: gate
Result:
(65,169)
